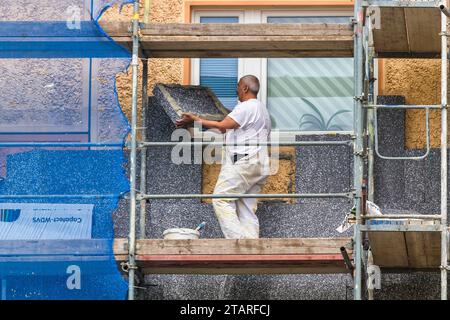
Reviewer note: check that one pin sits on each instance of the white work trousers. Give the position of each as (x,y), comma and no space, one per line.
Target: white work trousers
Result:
(237,217)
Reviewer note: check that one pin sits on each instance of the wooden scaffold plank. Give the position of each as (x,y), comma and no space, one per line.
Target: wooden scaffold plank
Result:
(406,250)
(180,40)
(252,256)
(408,32)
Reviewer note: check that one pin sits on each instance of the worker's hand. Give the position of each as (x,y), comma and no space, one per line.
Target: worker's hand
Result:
(186,119)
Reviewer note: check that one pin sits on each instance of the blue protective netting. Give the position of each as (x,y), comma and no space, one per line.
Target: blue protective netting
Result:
(51,29)
(57,85)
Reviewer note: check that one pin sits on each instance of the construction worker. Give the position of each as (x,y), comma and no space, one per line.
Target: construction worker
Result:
(244,168)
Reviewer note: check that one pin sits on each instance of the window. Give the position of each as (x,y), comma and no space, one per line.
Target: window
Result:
(221,75)
(310,94)
(47,106)
(303,95)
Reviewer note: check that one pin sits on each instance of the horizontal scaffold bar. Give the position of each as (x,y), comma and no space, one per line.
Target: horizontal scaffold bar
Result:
(59,196)
(405,106)
(240,195)
(401,228)
(222,144)
(403,216)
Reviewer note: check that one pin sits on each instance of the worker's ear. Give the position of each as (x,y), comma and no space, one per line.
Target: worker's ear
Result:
(245,89)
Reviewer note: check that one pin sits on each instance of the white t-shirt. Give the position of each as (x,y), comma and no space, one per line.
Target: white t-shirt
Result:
(254,126)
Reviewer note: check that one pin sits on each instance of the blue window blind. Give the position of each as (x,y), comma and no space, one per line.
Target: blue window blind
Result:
(220,74)
(310,94)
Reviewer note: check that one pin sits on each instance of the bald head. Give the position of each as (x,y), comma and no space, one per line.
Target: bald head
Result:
(251,82)
(248,88)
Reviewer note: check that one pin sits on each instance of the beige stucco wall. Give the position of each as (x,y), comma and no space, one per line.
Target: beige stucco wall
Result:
(160,70)
(419,81)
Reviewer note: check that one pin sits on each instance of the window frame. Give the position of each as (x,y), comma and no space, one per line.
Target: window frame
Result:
(265,14)
(85,131)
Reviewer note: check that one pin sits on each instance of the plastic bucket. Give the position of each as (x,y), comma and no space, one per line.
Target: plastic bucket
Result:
(181,234)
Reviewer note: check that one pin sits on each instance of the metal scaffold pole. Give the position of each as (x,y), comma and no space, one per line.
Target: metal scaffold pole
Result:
(358,149)
(370,66)
(370,100)
(132,231)
(444,84)
(142,176)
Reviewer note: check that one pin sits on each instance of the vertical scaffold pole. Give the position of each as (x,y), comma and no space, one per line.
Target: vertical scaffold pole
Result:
(142,176)
(370,112)
(358,145)
(444,83)
(132,231)
(370,93)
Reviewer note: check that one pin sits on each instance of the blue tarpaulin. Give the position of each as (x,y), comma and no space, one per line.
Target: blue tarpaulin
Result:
(57,85)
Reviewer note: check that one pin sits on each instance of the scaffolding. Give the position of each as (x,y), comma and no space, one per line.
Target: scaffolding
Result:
(288,263)
(364,138)
(364,60)
(359,39)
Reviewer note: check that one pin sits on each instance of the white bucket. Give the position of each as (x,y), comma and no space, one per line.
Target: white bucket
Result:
(181,234)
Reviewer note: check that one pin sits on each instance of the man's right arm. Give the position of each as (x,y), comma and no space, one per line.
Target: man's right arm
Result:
(224,125)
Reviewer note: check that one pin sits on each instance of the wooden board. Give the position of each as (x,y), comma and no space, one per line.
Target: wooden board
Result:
(226,256)
(409,250)
(424,26)
(392,37)
(404,32)
(241,264)
(389,249)
(207,256)
(177,40)
(408,32)
(424,249)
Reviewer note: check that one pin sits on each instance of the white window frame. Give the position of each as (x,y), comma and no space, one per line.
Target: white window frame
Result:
(265,14)
(258,66)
